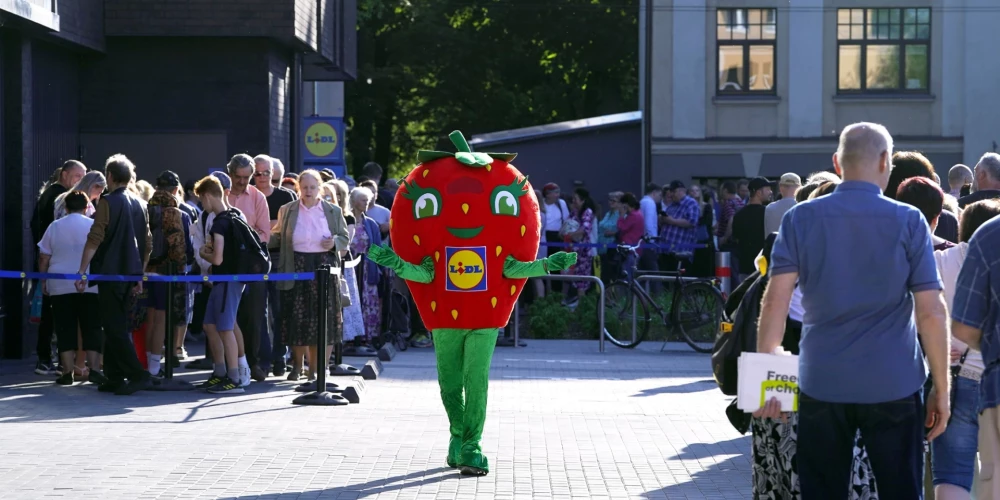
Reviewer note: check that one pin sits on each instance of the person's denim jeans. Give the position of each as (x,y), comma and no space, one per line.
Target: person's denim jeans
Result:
(953,454)
(894,438)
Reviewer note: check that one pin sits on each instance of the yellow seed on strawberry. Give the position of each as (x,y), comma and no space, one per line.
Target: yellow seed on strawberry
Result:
(434,306)
(465,208)
(499,249)
(523,229)
(437,256)
(489,167)
(513,288)
(416,239)
(390,224)
(426,172)
(494,302)
(454,314)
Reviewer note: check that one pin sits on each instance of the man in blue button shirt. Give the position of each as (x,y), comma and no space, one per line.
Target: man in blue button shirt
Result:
(866,269)
(974,320)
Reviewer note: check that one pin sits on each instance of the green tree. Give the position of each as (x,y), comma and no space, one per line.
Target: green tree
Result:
(439,65)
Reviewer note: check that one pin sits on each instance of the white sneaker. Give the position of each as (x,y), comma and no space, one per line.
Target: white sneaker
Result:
(244,377)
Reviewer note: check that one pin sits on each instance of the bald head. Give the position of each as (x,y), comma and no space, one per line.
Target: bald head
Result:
(864,153)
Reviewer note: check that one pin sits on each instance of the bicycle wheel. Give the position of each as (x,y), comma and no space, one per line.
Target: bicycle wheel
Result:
(698,315)
(619,299)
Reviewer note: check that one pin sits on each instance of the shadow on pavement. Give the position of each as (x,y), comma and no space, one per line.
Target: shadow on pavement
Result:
(371,488)
(720,480)
(30,398)
(696,386)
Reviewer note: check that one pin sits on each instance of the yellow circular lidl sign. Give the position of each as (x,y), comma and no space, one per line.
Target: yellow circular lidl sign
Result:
(321,139)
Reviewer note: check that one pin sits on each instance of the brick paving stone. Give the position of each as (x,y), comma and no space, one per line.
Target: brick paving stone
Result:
(564,422)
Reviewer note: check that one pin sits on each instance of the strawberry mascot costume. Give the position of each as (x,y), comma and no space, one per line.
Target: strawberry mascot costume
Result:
(465,231)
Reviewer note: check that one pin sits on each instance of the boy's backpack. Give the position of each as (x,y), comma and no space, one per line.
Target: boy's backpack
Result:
(742,312)
(741,315)
(244,252)
(159,253)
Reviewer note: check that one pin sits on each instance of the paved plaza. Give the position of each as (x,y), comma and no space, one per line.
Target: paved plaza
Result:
(564,422)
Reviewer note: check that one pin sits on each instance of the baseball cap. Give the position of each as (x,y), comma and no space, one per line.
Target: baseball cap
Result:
(224,179)
(676,185)
(758,183)
(790,179)
(168,179)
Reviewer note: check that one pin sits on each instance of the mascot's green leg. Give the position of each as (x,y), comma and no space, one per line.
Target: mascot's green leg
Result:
(463,362)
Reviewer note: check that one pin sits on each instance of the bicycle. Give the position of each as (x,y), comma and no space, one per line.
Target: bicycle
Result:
(694,306)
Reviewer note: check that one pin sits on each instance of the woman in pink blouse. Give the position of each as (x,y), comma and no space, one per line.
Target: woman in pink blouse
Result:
(310,232)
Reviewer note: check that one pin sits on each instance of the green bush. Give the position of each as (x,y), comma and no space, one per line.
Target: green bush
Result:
(548,318)
(586,314)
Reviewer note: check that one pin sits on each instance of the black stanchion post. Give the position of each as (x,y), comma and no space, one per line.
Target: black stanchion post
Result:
(323,395)
(168,383)
(168,325)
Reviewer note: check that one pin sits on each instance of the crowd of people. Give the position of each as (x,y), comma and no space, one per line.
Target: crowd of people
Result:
(112,222)
(863,269)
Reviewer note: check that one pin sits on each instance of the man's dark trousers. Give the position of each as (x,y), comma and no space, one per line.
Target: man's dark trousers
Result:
(252,318)
(893,435)
(45,331)
(120,360)
(274,317)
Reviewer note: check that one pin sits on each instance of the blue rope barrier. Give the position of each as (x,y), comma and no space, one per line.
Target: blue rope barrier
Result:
(660,246)
(244,278)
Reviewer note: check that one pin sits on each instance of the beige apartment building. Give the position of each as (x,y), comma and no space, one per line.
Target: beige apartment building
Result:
(762,87)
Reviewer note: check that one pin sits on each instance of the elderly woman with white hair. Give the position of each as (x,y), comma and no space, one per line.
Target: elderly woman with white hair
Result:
(92,184)
(310,232)
(366,234)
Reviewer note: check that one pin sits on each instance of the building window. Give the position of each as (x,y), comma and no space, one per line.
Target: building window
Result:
(883,50)
(745,50)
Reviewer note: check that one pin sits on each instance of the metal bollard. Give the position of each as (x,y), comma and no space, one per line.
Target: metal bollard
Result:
(723,272)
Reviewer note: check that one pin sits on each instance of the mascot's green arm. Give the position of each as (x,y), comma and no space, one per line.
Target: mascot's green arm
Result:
(513,268)
(417,273)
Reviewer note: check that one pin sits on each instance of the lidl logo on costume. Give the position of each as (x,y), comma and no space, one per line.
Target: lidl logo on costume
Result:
(466,270)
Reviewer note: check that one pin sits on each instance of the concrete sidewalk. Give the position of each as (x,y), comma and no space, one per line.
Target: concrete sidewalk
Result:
(564,422)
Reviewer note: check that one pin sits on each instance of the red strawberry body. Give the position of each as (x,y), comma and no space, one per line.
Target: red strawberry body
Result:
(468,219)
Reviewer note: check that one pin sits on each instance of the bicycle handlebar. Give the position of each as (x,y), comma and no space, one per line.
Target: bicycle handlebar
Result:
(633,249)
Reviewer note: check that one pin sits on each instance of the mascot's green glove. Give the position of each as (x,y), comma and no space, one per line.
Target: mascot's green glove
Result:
(385,257)
(560,261)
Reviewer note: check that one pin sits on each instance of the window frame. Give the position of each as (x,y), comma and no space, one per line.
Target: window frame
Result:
(901,43)
(746,44)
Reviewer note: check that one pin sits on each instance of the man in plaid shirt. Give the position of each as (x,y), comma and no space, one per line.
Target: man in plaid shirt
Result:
(677,224)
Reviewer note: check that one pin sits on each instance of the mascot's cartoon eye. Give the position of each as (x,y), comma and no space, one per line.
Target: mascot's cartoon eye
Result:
(504,200)
(426,206)
(426,201)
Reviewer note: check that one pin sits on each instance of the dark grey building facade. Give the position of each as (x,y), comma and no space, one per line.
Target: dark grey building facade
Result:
(178,85)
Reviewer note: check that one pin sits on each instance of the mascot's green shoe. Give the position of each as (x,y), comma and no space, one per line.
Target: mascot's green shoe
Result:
(474,463)
(454,452)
